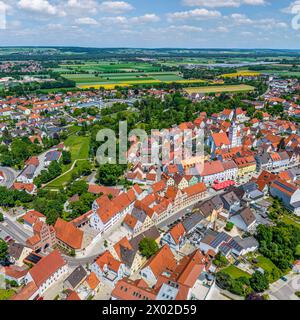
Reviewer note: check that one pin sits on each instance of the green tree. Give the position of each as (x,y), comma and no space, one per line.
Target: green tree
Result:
(109,174)
(66,157)
(3,250)
(1,217)
(148,247)
(259,281)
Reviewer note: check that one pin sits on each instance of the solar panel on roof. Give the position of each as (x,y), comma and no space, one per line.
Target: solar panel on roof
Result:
(289,189)
(219,239)
(33,258)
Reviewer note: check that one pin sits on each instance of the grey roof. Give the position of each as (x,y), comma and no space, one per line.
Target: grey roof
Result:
(249,186)
(76,277)
(256,194)
(192,221)
(239,244)
(152,233)
(230,198)
(221,237)
(139,214)
(52,156)
(206,208)
(15,250)
(29,171)
(217,202)
(247,215)
(127,255)
(263,158)
(284,155)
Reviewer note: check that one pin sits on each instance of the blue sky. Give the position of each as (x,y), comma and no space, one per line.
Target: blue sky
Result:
(151,23)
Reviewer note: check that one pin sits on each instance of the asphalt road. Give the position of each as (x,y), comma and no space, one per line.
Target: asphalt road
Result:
(13,234)
(9,175)
(285,290)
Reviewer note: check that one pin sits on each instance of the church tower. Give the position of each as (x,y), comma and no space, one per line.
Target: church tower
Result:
(234,133)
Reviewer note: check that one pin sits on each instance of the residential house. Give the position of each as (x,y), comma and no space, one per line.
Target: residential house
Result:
(47,272)
(17,253)
(244,219)
(126,289)
(75,279)
(108,269)
(162,261)
(175,238)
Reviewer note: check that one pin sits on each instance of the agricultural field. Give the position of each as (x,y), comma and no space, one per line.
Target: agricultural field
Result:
(129,83)
(220,89)
(109,74)
(241,73)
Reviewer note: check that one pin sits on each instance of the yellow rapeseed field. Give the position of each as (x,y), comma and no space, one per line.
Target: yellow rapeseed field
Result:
(242,73)
(133,82)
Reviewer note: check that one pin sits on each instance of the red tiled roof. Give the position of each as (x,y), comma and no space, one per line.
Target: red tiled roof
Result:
(177,232)
(163,260)
(220,139)
(32,216)
(107,259)
(26,292)
(68,233)
(92,281)
(46,267)
(127,289)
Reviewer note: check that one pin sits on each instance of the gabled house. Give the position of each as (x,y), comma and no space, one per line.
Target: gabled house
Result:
(162,261)
(244,220)
(17,253)
(108,269)
(128,254)
(175,238)
(47,271)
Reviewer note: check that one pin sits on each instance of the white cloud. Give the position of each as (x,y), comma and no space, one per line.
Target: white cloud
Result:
(115,7)
(147,18)
(293,8)
(184,28)
(197,14)
(86,21)
(90,5)
(222,3)
(41,6)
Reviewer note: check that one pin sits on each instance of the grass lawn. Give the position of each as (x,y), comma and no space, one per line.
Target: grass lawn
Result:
(289,220)
(79,146)
(267,265)
(6,294)
(220,89)
(235,272)
(65,178)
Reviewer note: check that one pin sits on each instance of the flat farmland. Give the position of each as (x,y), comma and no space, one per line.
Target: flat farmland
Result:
(219,89)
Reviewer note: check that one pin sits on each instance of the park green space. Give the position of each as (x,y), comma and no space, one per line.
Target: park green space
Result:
(65,178)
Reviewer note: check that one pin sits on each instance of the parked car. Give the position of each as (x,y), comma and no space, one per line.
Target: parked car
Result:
(284,279)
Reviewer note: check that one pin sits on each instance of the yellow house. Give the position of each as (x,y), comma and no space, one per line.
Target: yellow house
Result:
(246,165)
